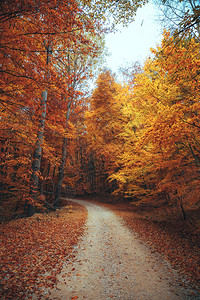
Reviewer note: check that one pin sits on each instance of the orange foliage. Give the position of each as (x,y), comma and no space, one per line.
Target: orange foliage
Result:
(33,251)
(152,144)
(37,38)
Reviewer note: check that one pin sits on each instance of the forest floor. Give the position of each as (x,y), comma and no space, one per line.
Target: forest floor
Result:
(33,249)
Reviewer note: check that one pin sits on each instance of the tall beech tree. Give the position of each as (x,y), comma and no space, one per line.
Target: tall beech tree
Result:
(77,24)
(79,65)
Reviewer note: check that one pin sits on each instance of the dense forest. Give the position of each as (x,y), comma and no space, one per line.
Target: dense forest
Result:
(138,138)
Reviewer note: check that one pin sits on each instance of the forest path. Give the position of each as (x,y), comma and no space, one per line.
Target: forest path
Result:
(112,263)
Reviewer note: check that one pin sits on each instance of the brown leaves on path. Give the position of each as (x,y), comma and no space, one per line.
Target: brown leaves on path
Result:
(33,250)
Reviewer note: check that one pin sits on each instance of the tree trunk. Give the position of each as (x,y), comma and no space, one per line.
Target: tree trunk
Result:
(183,212)
(64,151)
(37,158)
(60,174)
(182,209)
(62,163)
(196,159)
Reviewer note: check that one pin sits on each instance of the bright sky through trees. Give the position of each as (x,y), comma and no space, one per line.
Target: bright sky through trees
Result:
(134,43)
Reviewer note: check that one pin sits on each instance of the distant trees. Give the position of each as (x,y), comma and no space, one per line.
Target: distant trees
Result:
(148,133)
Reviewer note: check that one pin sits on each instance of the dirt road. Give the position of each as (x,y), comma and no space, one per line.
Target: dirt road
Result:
(112,263)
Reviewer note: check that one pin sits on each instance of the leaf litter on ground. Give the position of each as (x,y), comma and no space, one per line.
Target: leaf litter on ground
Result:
(33,250)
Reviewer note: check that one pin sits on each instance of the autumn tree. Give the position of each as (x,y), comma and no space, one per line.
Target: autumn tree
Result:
(113,12)
(79,66)
(30,40)
(21,79)
(105,121)
(161,159)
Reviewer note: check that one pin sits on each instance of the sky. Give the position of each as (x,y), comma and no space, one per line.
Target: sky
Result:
(134,43)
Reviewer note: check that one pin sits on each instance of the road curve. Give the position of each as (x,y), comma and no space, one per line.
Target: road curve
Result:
(112,263)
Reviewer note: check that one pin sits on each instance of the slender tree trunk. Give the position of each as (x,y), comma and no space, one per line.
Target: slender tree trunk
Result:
(60,174)
(64,151)
(195,158)
(183,212)
(182,208)
(37,158)
(62,163)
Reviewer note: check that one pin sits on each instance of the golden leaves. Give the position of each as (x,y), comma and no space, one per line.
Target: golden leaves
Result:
(157,126)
